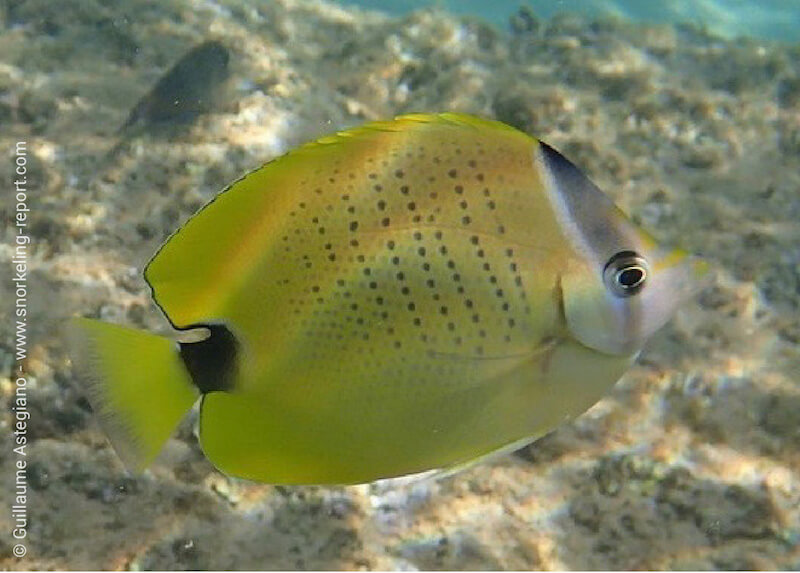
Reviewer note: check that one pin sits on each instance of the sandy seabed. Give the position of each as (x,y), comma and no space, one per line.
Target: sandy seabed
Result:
(693,461)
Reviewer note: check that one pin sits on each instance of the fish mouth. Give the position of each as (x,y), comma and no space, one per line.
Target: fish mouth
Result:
(701,270)
(698,274)
(690,273)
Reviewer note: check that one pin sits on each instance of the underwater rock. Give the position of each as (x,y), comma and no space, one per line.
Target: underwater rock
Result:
(524,21)
(789,92)
(515,110)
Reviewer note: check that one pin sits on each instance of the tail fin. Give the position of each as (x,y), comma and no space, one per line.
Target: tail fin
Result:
(136,383)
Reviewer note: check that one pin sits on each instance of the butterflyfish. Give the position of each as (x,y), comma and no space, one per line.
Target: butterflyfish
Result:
(404,296)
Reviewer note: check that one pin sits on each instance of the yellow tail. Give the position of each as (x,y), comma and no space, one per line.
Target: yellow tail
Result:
(136,383)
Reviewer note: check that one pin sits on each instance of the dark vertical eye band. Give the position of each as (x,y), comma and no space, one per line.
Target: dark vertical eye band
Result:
(625,273)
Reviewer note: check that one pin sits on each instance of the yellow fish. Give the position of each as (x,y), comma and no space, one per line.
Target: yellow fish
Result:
(399,297)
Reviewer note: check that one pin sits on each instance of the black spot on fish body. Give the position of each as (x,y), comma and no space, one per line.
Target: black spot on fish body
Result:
(211,362)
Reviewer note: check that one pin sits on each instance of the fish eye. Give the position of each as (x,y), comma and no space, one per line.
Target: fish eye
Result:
(625,273)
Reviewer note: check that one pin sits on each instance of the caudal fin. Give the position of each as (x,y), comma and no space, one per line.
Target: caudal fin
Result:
(136,383)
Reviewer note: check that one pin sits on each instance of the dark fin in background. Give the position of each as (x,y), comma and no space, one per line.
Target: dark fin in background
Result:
(185,91)
(190,88)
